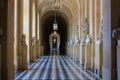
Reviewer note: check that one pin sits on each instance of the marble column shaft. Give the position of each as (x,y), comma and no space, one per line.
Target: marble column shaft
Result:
(88,56)
(30,28)
(82,54)
(19,30)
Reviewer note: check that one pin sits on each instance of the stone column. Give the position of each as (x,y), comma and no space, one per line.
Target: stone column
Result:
(38,48)
(10,41)
(92,27)
(106,69)
(24,53)
(88,56)
(37,35)
(33,54)
(77,50)
(19,30)
(30,29)
(82,53)
(118,61)
(36,28)
(99,58)
(6,39)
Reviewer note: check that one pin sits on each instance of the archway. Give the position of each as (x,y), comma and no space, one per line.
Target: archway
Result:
(47,26)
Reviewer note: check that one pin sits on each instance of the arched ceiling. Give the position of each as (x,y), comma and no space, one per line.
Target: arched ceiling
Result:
(68,7)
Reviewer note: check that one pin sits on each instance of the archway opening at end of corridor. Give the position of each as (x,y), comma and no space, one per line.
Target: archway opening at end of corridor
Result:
(48,29)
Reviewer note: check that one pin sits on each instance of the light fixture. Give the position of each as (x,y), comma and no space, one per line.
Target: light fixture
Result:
(57,4)
(55,25)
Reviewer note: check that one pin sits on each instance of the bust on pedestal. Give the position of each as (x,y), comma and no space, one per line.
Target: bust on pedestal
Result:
(24,52)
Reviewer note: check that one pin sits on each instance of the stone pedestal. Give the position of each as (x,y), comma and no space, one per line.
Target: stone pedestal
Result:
(70,50)
(88,56)
(41,50)
(38,51)
(82,53)
(33,54)
(118,61)
(24,57)
(77,52)
(99,58)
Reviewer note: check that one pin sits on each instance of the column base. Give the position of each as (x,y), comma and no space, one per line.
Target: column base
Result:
(106,73)
(10,72)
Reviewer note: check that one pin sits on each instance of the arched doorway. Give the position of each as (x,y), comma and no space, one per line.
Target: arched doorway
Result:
(47,29)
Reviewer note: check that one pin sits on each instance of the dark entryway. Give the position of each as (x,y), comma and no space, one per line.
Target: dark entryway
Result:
(48,29)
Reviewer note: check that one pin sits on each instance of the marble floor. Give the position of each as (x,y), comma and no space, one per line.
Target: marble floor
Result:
(54,68)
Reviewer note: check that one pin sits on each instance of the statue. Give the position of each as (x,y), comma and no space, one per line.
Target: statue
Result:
(88,39)
(100,34)
(77,41)
(33,41)
(54,34)
(85,30)
(71,41)
(23,40)
(116,33)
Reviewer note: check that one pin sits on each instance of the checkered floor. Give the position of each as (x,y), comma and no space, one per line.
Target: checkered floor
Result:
(54,68)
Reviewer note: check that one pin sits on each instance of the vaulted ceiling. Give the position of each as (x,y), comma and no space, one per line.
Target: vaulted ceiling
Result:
(67,8)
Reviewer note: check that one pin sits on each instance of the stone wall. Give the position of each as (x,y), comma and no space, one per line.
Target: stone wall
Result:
(3,37)
(115,23)
(0,61)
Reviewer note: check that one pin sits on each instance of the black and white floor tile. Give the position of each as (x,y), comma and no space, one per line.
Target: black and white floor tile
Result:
(54,68)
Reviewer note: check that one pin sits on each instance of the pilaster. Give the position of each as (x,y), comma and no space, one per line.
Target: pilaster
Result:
(30,28)
(99,58)
(19,30)
(82,53)
(87,56)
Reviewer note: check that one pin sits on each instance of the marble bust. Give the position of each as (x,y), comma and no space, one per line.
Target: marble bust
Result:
(88,39)
(85,30)
(116,35)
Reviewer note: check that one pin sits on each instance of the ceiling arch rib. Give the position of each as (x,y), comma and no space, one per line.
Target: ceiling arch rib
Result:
(66,10)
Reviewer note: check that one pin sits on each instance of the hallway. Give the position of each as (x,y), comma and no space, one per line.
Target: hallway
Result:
(54,67)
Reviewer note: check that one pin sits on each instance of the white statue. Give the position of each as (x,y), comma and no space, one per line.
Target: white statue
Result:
(116,35)
(51,42)
(100,34)
(85,30)
(88,39)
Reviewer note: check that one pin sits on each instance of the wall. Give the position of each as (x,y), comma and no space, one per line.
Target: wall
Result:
(115,14)
(106,39)
(3,38)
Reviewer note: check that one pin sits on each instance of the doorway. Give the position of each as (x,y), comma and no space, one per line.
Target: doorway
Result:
(47,29)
